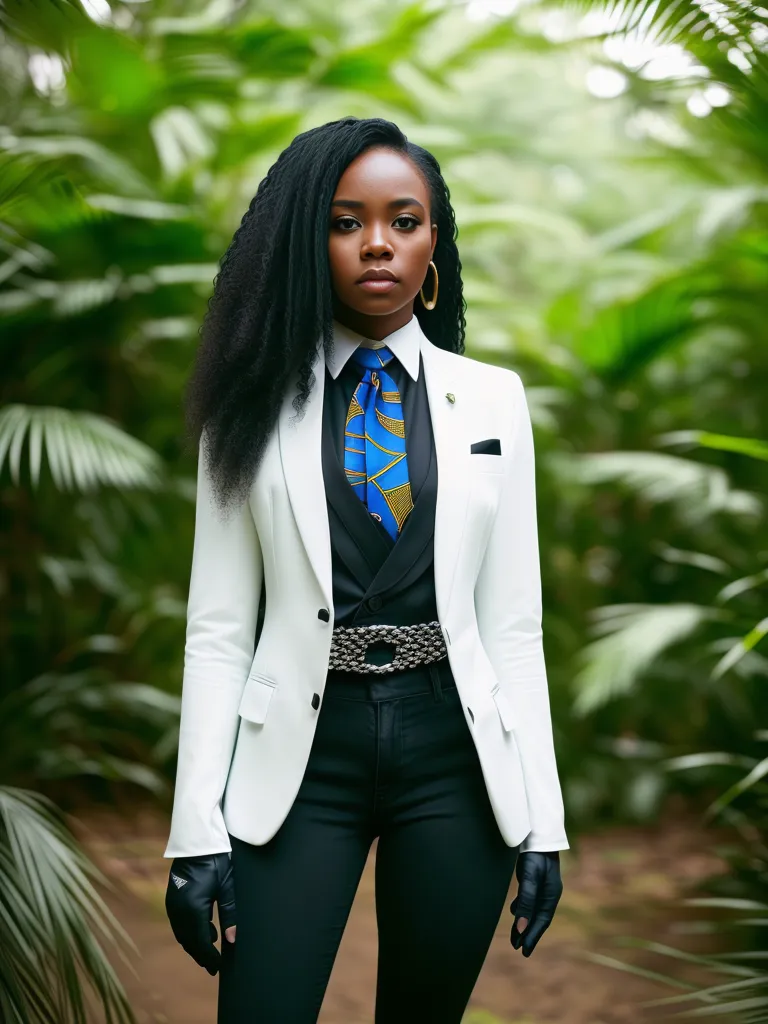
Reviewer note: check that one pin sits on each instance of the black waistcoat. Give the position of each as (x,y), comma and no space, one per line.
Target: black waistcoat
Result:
(376,579)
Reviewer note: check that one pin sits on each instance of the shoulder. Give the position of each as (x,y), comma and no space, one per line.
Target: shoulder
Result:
(498,380)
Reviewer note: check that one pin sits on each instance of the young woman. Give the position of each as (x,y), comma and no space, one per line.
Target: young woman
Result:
(370,490)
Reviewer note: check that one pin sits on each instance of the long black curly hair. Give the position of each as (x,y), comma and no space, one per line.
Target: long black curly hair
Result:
(273,296)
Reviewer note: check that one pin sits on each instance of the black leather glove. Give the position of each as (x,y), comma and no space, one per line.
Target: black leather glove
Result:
(194,883)
(538,892)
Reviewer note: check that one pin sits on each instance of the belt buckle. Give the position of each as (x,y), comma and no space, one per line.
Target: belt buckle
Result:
(376,637)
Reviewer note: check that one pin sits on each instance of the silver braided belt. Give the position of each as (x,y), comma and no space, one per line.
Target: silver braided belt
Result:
(414,645)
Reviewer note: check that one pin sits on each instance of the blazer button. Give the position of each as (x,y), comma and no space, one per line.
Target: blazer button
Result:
(324,614)
(375,602)
(315,701)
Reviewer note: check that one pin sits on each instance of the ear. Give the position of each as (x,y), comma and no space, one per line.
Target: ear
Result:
(434,240)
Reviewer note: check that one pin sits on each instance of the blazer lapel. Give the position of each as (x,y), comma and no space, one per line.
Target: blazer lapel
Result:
(301,455)
(453,476)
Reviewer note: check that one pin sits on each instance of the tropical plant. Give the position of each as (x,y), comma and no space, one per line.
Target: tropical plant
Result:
(614,252)
(739,898)
(697,659)
(50,917)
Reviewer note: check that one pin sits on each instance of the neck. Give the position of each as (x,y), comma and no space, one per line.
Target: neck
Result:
(373,328)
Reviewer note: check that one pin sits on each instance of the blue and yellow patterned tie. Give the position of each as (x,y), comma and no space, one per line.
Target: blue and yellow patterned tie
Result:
(374,442)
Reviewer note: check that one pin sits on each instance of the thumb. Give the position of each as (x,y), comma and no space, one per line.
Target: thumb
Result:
(229,933)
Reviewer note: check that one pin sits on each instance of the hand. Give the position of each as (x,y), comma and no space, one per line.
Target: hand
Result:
(194,883)
(539,890)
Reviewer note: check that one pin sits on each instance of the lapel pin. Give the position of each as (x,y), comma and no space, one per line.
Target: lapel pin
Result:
(451,397)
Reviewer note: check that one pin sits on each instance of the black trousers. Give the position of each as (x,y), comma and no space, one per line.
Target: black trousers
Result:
(392,758)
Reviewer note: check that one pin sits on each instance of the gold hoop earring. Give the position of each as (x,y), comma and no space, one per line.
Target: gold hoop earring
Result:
(433,302)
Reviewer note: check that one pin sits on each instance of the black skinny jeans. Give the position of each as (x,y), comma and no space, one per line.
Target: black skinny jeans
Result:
(392,758)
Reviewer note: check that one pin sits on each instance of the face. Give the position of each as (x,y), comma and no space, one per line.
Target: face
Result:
(380,224)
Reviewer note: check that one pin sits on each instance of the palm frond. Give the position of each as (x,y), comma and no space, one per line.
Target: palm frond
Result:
(48,24)
(696,489)
(72,717)
(625,336)
(64,298)
(83,450)
(750,446)
(94,162)
(726,41)
(53,967)
(678,21)
(631,638)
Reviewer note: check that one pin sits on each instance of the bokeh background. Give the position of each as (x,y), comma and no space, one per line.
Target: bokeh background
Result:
(608,164)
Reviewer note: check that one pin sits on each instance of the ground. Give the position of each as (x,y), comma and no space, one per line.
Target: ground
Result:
(620,882)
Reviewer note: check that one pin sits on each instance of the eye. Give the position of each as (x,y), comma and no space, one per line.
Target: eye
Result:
(411,221)
(340,222)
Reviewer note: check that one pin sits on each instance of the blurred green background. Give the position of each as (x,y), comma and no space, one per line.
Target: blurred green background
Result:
(608,164)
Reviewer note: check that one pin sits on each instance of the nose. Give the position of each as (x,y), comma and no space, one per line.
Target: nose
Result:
(376,243)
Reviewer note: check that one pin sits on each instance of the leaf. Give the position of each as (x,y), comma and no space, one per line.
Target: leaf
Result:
(369,71)
(695,488)
(201,60)
(742,586)
(706,760)
(485,216)
(47,24)
(100,164)
(180,140)
(52,921)
(758,772)
(145,209)
(247,139)
(749,446)
(624,337)
(739,650)
(113,66)
(727,209)
(504,34)
(633,637)
(676,21)
(83,450)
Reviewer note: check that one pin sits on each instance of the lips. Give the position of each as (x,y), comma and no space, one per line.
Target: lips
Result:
(377,274)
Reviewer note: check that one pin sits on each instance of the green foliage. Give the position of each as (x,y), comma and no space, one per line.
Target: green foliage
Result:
(615,253)
(739,902)
(82,450)
(50,917)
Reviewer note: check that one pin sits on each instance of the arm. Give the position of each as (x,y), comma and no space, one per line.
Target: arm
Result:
(224,591)
(508,608)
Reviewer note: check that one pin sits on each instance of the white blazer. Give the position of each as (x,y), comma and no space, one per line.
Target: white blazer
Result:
(247,720)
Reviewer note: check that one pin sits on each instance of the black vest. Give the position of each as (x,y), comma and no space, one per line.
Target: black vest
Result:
(376,579)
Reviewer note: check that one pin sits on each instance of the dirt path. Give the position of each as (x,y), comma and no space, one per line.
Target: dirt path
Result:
(618,883)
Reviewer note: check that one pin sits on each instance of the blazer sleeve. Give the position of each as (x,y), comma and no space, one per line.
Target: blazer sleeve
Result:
(509,607)
(224,592)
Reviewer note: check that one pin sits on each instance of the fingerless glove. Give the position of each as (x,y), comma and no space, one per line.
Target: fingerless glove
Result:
(194,884)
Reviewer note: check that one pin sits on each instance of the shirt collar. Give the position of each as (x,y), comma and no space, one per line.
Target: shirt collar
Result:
(404,343)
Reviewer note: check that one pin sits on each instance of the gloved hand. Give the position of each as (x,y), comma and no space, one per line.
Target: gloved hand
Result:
(538,892)
(194,883)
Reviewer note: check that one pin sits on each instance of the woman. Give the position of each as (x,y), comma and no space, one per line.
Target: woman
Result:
(396,689)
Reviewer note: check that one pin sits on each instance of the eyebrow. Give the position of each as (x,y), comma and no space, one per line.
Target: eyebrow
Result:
(356,204)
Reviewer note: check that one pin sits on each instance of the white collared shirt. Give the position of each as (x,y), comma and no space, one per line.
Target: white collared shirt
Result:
(404,343)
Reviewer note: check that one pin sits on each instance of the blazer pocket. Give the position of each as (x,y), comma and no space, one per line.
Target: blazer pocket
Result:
(257,695)
(503,706)
(488,446)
